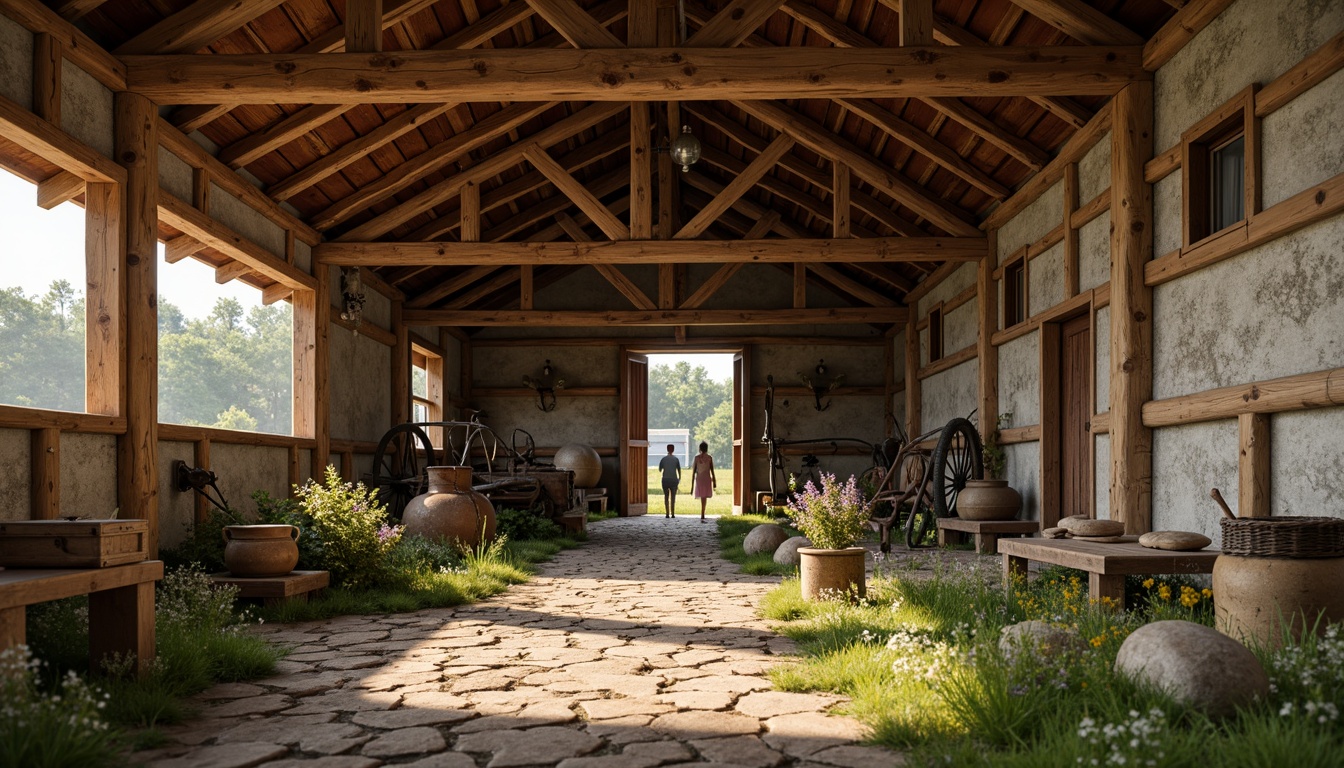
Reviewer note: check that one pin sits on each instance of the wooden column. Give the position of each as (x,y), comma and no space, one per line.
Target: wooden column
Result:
(364,26)
(912,388)
(888,385)
(525,287)
(916,22)
(47,60)
(987,298)
(1131,307)
(1070,234)
(641,171)
(1050,495)
(322,369)
(470,231)
(839,199)
(401,368)
(137,148)
(104,310)
(46,465)
(1253,466)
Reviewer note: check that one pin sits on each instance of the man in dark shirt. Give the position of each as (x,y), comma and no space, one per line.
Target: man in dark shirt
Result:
(671,468)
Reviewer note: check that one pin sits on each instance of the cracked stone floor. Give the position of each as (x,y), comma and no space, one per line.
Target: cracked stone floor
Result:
(641,648)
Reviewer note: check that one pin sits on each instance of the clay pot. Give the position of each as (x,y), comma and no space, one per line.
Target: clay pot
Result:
(450,511)
(988,500)
(1254,597)
(583,461)
(261,551)
(833,571)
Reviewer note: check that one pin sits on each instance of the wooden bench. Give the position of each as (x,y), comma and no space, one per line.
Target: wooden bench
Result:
(953,530)
(1107,565)
(295,585)
(594,499)
(121,606)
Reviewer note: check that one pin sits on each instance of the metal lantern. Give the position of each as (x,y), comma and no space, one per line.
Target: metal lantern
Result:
(685,149)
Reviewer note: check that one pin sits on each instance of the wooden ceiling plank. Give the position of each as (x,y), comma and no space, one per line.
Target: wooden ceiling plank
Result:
(730,26)
(880,250)
(828,145)
(851,286)
(575,24)
(885,275)
(197,116)
(645,74)
(432,159)
(840,205)
(1081,21)
(196,26)
(657,317)
(916,22)
(73,10)
(499,161)
(737,187)
(364,26)
(261,143)
(580,195)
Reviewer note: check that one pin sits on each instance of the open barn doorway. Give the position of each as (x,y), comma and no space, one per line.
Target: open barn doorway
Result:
(682,399)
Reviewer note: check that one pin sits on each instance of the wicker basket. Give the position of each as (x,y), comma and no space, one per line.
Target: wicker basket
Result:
(1298,537)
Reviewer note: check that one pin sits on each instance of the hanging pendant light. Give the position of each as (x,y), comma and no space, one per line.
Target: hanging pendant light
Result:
(685,149)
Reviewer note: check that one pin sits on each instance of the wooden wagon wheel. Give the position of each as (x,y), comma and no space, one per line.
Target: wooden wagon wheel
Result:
(399,468)
(956,459)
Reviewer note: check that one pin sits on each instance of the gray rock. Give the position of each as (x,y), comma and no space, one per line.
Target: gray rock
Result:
(1196,665)
(1038,637)
(787,553)
(1087,527)
(764,538)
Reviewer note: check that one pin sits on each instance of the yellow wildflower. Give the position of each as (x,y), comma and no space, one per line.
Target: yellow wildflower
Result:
(1148,584)
(1097,641)
(1189,597)
(1164,592)
(1206,593)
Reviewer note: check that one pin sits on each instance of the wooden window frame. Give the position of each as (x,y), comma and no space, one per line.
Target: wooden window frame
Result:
(1015,307)
(431,361)
(1236,118)
(935,323)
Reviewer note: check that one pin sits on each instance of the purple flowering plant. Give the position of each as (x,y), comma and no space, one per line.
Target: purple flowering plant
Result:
(834,516)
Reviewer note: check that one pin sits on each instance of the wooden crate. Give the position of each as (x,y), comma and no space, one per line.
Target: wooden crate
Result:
(73,543)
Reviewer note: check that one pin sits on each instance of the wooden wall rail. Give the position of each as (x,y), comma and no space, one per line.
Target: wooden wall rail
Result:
(51,143)
(189,434)
(526,392)
(709,344)
(842,391)
(1320,389)
(18,417)
(1073,150)
(948,362)
(368,330)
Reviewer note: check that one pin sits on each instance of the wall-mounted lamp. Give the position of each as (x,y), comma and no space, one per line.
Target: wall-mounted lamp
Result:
(820,386)
(545,385)
(200,480)
(352,296)
(685,149)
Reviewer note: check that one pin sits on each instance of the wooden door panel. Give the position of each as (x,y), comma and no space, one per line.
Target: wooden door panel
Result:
(1075,370)
(634,446)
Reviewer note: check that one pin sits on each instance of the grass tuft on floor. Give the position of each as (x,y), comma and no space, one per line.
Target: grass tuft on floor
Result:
(733,529)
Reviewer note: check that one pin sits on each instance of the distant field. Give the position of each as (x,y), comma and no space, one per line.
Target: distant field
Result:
(721,503)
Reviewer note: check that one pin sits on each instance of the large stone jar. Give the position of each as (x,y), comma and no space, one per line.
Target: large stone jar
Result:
(988,500)
(1254,597)
(832,573)
(261,551)
(583,461)
(450,511)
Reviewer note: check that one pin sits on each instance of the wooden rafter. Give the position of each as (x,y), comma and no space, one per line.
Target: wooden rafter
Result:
(730,26)
(575,24)
(744,205)
(577,193)
(73,10)
(657,317)
(556,204)
(450,286)
(853,287)
(1081,21)
(737,187)
(255,146)
(711,286)
(646,74)
(196,26)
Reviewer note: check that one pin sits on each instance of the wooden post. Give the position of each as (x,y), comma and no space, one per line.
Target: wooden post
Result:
(137,148)
(1131,307)
(364,26)
(401,368)
(1051,482)
(46,465)
(322,370)
(641,171)
(104,310)
(916,22)
(294,478)
(799,285)
(471,213)
(987,298)
(1253,467)
(839,200)
(1070,234)
(912,388)
(47,60)
(525,287)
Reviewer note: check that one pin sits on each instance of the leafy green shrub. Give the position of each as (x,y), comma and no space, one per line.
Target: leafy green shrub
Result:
(204,545)
(351,528)
(833,516)
(414,555)
(63,727)
(282,511)
(522,524)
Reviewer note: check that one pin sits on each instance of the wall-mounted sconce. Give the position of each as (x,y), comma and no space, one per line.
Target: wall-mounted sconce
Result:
(200,480)
(545,385)
(819,385)
(352,296)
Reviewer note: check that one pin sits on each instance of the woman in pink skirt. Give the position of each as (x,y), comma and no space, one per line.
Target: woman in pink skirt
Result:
(703,481)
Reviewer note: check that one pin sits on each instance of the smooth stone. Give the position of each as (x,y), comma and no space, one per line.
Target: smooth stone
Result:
(1090,527)
(1178,541)
(787,553)
(406,741)
(1037,637)
(702,724)
(764,538)
(517,748)
(1054,533)
(1194,664)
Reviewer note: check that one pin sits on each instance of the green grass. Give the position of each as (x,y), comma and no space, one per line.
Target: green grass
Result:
(721,503)
(920,662)
(733,529)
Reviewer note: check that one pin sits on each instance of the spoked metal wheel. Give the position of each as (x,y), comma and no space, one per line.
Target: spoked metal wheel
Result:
(399,466)
(920,528)
(956,459)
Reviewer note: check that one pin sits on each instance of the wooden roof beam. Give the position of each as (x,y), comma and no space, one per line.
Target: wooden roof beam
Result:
(557,204)
(744,205)
(575,24)
(573,189)
(1081,21)
(736,188)
(730,26)
(885,275)
(657,317)
(196,26)
(287,129)
(880,250)
(450,286)
(634,74)
(73,10)
(851,286)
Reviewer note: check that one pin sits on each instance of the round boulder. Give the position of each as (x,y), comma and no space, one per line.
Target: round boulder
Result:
(787,553)
(1038,637)
(764,538)
(1196,665)
(583,461)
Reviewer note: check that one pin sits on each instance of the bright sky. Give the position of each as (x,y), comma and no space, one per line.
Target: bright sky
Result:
(720,366)
(40,246)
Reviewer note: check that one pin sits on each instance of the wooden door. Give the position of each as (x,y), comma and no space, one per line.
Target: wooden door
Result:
(1075,423)
(743,497)
(634,426)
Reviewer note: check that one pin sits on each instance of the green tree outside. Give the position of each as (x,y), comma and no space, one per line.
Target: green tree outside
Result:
(684,397)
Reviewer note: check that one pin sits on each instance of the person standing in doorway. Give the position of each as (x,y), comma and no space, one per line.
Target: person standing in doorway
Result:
(703,481)
(671,468)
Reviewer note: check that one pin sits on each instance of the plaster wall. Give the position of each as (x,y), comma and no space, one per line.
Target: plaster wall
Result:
(961,327)
(592,421)
(360,385)
(1032,222)
(1251,42)
(961,279)
(949,395)
(239,216)
(1020,380)
(243,469)
(1187,462)
(303,256)
(16,485)
(1167,214)
(1307,463)
(1094,252)
(1024,473)
(578,366)
(861,365)
(1101,478)
(1094,170)
(16,61)
(86,109)
(377,307)
(1045,280)
(175,176)
(89,476)
(1101,374)
(1311,120)
(177,509)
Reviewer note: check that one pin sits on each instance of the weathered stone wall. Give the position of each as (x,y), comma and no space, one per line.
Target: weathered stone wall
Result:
(16,61)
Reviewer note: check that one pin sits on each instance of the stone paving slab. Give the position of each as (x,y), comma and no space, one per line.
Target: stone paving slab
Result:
(640,649)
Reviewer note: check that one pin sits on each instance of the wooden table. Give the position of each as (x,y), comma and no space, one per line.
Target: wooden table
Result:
(1107,565)
(952,530)
(121,606)
(274,590)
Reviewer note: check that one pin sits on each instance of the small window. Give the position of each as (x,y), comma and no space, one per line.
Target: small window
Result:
(427,390)
(1218,158)
(1227,183)
(936,334)
(1014,293)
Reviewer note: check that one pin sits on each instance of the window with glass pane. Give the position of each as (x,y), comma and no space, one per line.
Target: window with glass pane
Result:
(1227,192)
(1014,293)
